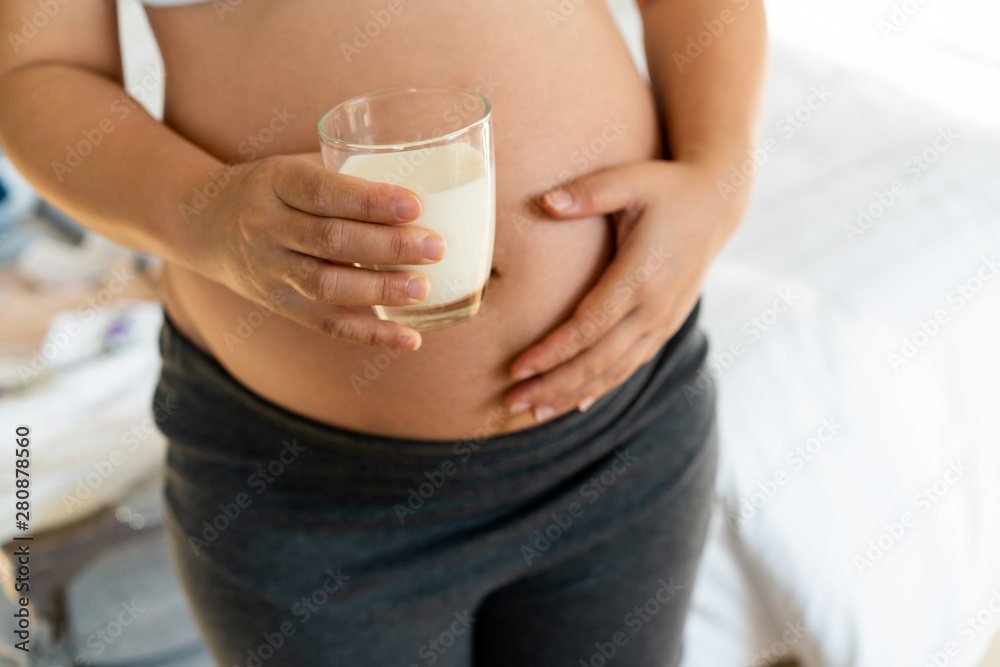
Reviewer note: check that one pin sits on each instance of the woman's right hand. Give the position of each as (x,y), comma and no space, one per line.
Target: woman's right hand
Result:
(288,227)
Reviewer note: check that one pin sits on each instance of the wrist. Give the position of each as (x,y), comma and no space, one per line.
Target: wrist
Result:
(718,161)
(731,173)
(195,213)
(725,183)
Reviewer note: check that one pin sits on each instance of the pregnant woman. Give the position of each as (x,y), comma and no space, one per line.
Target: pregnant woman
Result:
(530,487)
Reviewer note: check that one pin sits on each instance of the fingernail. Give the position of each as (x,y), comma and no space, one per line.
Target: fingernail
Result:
(433,247)
(520,407)
(586,403)
(524,374)
(558,199)
(418,288)
(407,341)
(543,412)
(406,208)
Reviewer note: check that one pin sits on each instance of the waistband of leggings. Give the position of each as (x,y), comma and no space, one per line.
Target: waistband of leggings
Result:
(188,370)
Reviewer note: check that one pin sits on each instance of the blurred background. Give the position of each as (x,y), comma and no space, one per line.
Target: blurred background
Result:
(853,318)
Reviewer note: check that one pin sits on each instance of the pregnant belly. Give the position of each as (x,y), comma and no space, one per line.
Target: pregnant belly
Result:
(452,387)
(565,103)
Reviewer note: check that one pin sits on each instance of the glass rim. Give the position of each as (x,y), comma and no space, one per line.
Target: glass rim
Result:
(326,138)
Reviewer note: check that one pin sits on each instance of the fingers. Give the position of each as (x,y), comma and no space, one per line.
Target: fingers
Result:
(595,363)
(314,189)
(350,241)
(599,312)
(342,285)
(351,326)
(583,397)
(605,191)
(565,397)
(316,157)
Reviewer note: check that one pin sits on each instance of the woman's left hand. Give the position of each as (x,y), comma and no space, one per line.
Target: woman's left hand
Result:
(670,222)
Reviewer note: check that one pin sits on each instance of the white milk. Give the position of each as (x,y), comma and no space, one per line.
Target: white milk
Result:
(459,204)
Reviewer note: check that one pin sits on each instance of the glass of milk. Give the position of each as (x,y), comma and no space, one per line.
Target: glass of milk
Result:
(438,142)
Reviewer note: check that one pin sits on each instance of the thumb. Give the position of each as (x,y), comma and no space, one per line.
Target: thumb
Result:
(605,191)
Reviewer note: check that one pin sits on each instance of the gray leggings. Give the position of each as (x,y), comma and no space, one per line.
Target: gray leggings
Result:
(570,543)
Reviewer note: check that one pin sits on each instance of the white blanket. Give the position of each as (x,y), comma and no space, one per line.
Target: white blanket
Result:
(859,425)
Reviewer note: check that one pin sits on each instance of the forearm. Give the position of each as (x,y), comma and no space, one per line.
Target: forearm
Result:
(710,93)
(92,151)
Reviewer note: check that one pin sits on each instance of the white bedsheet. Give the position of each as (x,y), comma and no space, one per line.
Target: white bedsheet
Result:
(802,552)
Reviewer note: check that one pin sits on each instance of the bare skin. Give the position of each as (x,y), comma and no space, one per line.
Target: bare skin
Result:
(569,107)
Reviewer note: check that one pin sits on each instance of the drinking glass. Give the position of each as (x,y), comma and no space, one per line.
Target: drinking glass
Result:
(438,142)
